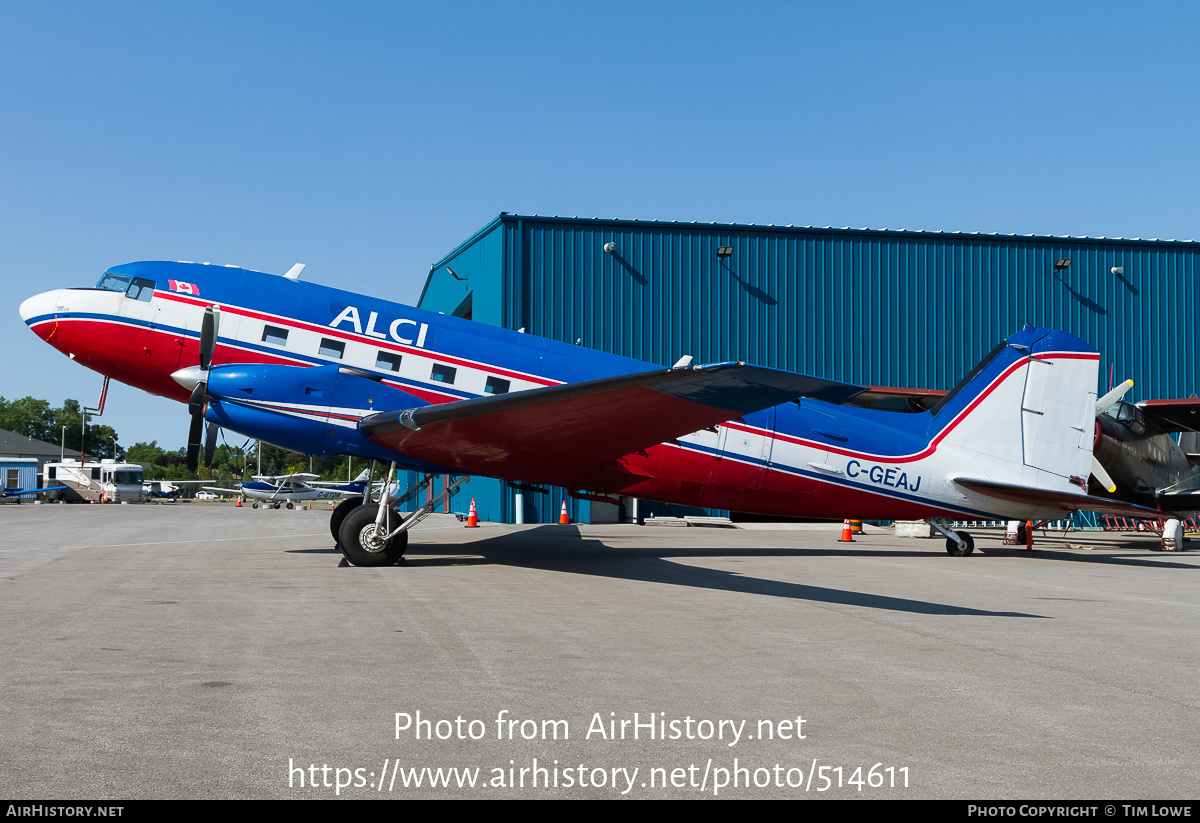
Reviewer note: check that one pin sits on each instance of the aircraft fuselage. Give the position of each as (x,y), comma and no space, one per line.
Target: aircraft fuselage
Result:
(805,458)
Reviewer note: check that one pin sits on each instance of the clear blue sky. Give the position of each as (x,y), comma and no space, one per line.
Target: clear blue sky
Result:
(367,139)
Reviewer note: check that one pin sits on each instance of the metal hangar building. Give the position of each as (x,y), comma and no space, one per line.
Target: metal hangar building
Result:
(878,307)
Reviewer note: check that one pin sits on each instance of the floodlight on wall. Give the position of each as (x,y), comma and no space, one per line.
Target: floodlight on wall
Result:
(610,247)
(1061,263)
(724,252)
(1117,270)
(452,274)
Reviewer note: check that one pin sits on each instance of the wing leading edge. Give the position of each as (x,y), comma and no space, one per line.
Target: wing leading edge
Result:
(556,434)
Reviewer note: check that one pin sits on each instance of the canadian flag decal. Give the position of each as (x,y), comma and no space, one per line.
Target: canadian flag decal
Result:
(185,288)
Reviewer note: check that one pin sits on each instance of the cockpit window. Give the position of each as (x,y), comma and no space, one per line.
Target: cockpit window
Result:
(141,289)
(114,282)
(1131,416)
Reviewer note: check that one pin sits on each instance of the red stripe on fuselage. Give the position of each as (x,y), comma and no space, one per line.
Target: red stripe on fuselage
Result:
(145,358)
(939,437)
(682,475)
(361,338)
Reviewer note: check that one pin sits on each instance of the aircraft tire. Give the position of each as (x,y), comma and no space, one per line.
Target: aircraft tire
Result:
(275,506)
(289,505)
(254,505)
(952,548)
(339,514)
(354,539)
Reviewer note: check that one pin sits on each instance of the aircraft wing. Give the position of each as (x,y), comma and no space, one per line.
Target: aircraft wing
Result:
(222,491)
(890,398)
(23,492)
(554,434)
(1173,415)
(1066,501)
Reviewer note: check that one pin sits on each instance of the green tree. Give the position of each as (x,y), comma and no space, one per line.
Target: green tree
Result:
(30,417)
(35,418)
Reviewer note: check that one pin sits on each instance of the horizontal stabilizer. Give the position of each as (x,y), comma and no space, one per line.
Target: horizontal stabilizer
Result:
(552,433)
(1066,501)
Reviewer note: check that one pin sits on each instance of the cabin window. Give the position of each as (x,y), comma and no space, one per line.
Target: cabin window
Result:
(275,335)
(96,474)
(443,374)
(140,289)
(53,475)
(496,385)
(311,392)
(388,360)
(14,481)
(332,348)
(113,282)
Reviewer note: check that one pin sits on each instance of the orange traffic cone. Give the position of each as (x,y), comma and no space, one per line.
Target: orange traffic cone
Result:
(846,537)
(472,516)
(239,505)
(563,519)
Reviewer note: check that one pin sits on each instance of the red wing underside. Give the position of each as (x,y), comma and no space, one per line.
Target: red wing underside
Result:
(571,434)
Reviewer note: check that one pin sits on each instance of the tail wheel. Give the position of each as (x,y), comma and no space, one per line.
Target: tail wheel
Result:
(952,548)
(359,540)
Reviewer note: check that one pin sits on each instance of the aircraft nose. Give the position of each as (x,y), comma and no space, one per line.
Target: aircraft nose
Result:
(40,306)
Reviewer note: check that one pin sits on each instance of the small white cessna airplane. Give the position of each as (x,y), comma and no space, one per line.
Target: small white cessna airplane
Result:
(289,489)
(322,371)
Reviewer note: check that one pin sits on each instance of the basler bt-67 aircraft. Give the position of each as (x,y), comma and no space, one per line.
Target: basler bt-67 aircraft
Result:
(323,371)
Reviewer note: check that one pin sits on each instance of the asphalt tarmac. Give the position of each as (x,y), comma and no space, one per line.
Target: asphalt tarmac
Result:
(213,652)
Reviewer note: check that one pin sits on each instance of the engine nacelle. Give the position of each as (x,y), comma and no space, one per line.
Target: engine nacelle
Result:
(311,410)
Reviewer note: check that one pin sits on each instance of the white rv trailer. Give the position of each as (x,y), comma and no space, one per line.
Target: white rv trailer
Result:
(104,481)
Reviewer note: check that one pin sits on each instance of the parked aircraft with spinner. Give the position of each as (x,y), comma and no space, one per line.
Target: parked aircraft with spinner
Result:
(324,371)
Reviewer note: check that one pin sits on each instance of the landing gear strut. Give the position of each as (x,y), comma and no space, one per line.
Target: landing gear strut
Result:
(376,534)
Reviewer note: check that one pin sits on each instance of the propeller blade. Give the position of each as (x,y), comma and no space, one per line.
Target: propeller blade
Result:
(1107,401)
(1100,474)
(193,446)
(210,444)
(208,335)
(198,399)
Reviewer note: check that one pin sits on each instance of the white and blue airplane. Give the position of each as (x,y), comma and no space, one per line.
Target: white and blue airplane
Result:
(323,371)
(289,489)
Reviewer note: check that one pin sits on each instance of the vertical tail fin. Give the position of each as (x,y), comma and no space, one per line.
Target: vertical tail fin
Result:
(1027,413)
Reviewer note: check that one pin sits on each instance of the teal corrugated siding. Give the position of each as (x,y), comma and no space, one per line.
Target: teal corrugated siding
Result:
(914,309)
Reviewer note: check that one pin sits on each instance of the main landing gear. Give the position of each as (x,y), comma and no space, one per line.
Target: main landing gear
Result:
(958,544)
(367,543)
(375,533)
